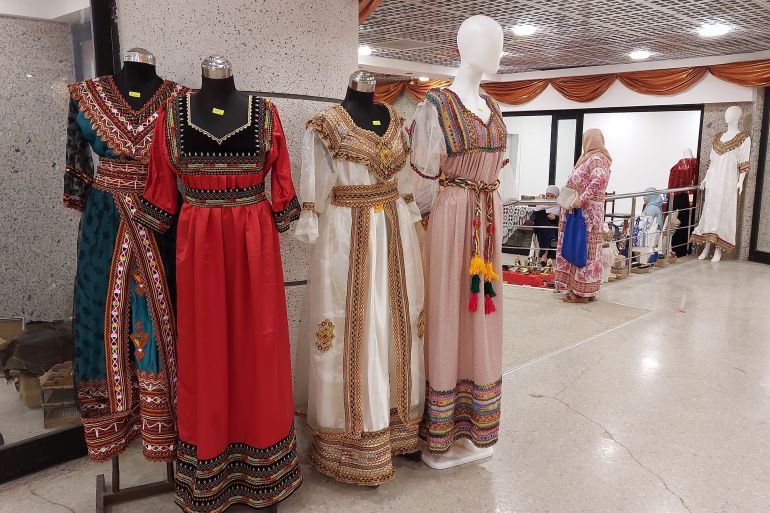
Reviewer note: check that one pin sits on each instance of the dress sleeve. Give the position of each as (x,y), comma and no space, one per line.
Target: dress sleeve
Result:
(315,183)
(597,179)
(158,204)
(406,188)
(79,168)
(744,154)
(283,197)
(428,147)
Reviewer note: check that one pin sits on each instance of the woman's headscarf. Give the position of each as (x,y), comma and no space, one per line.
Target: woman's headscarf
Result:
(593,143)
(653,204)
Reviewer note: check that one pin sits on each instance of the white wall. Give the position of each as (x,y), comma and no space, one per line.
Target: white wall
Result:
(709,90)
(644,146)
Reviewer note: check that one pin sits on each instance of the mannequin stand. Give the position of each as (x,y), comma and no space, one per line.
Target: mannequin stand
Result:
(705,253)
(105,497)
(462,452)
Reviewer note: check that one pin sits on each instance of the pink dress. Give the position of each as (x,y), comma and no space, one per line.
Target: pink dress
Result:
(463,348)
(590,180)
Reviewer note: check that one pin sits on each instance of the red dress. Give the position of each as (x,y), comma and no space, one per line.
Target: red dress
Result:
(235,407)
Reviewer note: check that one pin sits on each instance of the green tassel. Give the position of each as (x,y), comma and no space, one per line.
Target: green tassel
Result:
(475,283)
(488,289)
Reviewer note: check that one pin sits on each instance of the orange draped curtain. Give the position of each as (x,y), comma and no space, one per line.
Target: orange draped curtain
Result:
(590,87)
(366,8)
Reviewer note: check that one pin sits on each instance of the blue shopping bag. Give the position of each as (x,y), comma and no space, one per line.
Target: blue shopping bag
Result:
(574,245)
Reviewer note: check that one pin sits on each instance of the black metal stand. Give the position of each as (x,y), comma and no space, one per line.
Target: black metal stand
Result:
(105,497)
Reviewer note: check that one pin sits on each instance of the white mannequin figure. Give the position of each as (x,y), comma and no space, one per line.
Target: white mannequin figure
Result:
(732,118)
(687,153)
(480,42)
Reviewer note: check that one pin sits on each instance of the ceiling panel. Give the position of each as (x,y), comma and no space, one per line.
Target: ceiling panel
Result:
(572,33)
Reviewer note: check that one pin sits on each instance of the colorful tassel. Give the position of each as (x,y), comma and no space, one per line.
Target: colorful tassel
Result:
(489,272)
(473,304)
(489,290)
(477,265)
(489,306)
(475,284)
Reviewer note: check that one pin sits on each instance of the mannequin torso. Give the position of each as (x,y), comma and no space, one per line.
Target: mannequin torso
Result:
(137,82)
(365,113)
(218,107)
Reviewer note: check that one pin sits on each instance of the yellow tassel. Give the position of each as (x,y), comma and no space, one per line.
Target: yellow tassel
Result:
(489,272)
(477,266)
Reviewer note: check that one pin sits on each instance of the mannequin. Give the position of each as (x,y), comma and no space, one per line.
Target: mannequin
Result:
(218,107)
(359,103)
(480,43)
(687,153)
(732,118)
(137,80)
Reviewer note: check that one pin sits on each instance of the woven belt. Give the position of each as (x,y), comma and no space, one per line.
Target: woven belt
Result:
(225,197)
(123,177)
(358,196)
(479,265)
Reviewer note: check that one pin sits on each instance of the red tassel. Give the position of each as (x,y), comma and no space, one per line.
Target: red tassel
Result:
(473,304)
(489,305)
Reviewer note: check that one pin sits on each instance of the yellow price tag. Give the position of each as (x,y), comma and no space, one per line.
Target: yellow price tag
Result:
(135,94)
(376,122)
(218,112)
(379,208)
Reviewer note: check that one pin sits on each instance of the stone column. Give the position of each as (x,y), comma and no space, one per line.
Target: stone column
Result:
(297,53)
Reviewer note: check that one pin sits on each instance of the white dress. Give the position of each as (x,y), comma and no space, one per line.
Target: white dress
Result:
(359,368)
(717,223)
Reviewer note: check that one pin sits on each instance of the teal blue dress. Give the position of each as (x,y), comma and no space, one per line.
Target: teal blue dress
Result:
(123,315)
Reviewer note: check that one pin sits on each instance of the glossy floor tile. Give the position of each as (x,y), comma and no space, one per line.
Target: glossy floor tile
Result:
(663,412)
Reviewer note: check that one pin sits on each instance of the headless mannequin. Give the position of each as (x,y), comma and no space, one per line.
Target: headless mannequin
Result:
(359,104)
(218,107)
(732,118)
(480,42)
(137,80)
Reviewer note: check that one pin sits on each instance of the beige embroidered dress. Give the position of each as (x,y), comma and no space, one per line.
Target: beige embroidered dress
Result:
(360,359)
(463,297)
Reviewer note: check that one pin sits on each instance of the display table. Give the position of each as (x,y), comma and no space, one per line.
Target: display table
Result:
(531,280)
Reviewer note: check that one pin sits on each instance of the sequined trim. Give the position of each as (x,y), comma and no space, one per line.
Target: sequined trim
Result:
(467,411)
(242,474)
(463,130)
(324,335)
(383,156)
(364,460)
(152,217)
(421,324)
(308,206)
(743,167)
(126,131)
(120,177)
(408,198)
(225,197)
(285,217)
(79,174)
(724,147)
(218,140)
(712,238)
(73,202)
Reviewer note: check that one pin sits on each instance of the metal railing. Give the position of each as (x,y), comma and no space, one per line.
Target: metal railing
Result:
(626,240)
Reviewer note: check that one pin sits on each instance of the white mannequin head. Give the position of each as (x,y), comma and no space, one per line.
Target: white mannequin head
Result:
(687,153)
(480,41)
(733,116)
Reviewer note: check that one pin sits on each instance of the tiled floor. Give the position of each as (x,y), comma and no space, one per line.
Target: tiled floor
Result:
(659,403)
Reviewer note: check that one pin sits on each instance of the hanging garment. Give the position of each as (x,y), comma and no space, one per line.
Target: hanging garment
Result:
(717,224)
(589,179)
(123,316)
(360,359)
(683,174)
(464,323)
(646,237)
(236,415)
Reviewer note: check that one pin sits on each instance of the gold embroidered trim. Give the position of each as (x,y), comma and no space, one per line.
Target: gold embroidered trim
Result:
(383,156)
(362,199)
(743,167)
(324,335)
(308,205)
(409,198)
(421,324)
(712,238)
(724,147)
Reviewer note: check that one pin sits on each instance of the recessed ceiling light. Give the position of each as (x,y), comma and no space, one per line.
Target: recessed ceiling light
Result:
(524,29)
(364,50)
(713,29)
(29,76)
(423,79)
(640,55)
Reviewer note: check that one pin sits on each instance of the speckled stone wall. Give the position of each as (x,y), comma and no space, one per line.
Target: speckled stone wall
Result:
(37,235)
(300,47)
(713,123)
(763,228)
